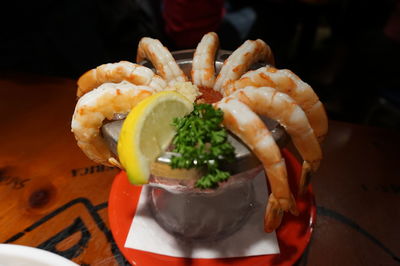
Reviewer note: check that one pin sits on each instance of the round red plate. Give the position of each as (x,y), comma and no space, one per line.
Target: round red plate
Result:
(293,234)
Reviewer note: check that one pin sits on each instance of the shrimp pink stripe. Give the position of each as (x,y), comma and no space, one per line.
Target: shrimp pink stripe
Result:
(117,72)
(245,124)
(203,67)
(98,105)
(161,58)
(287,82)
(240,61)
(281,107)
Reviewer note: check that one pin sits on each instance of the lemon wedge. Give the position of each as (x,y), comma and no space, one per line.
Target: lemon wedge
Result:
(147,132)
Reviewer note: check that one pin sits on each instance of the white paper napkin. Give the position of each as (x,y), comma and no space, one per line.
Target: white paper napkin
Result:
(147,235)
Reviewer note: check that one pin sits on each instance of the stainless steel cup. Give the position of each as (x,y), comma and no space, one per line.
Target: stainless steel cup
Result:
(210,214)
(195,214)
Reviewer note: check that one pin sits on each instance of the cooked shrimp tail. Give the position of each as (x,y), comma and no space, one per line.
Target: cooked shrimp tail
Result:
(273,214)
(161,58)
(203,67)
(305,177)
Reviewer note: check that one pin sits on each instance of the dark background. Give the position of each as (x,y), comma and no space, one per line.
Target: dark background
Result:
(339,47)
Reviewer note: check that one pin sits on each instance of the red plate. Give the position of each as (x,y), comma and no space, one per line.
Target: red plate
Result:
(293,234)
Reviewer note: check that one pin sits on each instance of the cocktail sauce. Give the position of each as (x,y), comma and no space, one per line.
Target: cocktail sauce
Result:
(208,95)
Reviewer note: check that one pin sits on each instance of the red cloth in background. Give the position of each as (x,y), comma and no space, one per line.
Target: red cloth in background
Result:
(392,28)
(186,21)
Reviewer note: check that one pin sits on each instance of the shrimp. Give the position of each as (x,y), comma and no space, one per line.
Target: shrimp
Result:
(287,82)
(203,68)
(244,123)
(117,72)
(161,58)
(282,108)
(96,106)
(240,61)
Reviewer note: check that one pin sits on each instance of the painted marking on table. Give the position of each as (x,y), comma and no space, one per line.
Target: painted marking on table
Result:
(93,169)
(350,223)
(382,188)
(74,251)
(75,225)
(322,211)
(15,182)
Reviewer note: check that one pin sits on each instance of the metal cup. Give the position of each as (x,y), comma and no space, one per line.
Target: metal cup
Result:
(195,214)
(202,214)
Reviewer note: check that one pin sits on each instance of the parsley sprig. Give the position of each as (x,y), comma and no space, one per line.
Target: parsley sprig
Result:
(202,143)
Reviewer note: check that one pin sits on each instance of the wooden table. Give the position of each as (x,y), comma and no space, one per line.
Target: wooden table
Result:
(53,197)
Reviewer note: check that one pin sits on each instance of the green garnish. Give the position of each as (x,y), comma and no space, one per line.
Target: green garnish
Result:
(202,143)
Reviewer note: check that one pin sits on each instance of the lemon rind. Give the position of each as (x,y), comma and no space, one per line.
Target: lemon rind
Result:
(130,156)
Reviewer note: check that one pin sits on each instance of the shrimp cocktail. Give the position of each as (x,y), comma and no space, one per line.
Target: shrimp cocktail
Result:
(183,129)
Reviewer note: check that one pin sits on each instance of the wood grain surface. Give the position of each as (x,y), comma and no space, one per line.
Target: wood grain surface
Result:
(54,198)
(51,195)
